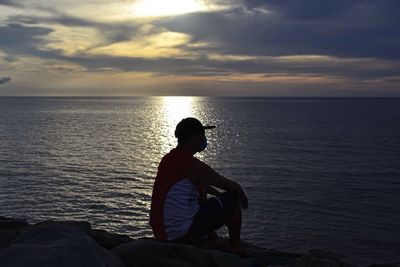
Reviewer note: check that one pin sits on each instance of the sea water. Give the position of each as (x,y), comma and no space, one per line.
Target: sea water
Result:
(319,172)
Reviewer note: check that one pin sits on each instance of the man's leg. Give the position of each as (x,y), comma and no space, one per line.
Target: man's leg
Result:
(213,214)
(234,224)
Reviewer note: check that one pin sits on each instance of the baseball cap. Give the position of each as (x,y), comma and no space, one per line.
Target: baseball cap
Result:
(190,126)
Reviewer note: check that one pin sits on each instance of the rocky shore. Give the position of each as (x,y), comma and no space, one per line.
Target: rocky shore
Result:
(68,243)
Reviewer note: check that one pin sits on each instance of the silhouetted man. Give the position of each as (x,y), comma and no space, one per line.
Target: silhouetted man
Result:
(180,210)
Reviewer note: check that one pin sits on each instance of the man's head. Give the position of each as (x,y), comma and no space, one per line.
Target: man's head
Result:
(190,131)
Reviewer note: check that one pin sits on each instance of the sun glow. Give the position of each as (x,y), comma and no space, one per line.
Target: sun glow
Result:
(157,8)
(164,44)
(175,108)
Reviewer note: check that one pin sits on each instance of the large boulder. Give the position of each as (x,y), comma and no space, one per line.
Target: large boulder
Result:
(262,257)
(148,252)
(392,264)
(320,258)
(109,240)
(7,236)
(10,228)
(11,223)
(81,225)
(223,259)
(56,245)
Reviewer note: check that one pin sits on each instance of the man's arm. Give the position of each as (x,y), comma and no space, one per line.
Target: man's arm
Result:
(211,190)
(200,172)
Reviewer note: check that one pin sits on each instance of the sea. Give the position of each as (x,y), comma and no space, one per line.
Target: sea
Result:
(320,173)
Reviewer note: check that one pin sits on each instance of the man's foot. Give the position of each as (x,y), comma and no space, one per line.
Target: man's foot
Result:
(238,249)
(214,241)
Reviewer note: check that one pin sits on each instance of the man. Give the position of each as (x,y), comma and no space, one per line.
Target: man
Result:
(180,210)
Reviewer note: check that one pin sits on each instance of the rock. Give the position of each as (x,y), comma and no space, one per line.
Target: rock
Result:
(144,252)
(10,223)
(274,258)
(109,240)
(75,243)
(223,259)
(7,236)
(148,252)
(82,225)
(102,237)
(258,256)
(392,264)
(319,258)
(10,229)
(56,245)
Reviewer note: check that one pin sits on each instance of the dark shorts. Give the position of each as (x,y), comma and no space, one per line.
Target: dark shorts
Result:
(212,215)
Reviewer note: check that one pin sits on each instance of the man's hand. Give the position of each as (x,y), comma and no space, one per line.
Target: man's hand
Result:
(199,172)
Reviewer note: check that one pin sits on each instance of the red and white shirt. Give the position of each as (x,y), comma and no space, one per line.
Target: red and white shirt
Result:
(175,199)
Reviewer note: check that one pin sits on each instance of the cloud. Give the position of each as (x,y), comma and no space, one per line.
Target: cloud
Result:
(303,9)
(348,29)
(227,34)
(20,39)
(4,80)
(8,3)
(63,30)
(365,29)
(263,40)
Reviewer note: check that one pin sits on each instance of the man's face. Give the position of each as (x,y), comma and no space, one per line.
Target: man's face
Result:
(200,141)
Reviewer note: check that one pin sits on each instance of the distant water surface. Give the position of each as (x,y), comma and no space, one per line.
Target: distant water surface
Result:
(319,172)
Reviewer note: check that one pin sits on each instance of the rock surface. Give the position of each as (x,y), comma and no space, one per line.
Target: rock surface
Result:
(147,252)
(11,223)
(54,243)
(320,258)
(109,240)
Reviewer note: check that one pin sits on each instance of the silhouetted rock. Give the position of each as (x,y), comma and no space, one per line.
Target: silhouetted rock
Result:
(320,258)
(75,243)
(266,257)
(82,225)
(109,240)
(143,252)
(10,223)
(393,264)
(148,252)
(56,245)
(7,236)
(10,229)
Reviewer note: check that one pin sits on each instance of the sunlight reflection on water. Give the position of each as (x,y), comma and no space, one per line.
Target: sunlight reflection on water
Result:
(174,109)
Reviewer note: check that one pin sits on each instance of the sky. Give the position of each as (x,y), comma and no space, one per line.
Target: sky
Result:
(205,47)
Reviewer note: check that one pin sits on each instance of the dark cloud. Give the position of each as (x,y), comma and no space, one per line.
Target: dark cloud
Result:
(342,28)
(304,9)
(19,39)
(111,32)
(357,70)
(8,3)
(4,80)
(26,40)
(361,36)
(296,27)
(325,10)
